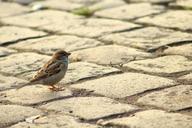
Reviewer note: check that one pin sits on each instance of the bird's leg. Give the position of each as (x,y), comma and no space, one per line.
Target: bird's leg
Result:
(55,88)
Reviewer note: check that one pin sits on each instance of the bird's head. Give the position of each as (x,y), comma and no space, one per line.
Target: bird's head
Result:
(61,54)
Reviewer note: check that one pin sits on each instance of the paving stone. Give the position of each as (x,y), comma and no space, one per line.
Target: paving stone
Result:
(186,4)
(152,1)
(82,70)
(31,95)
(12,34)
(20,63)
(92,27)
(166,65)
(170,19)
(40,18)
(5,51)
(59,4)
(184,50)
(11,114)
(147,38)
(8,82)
(90,108)
(79,71)
(153,119)
(186,78)
(85,2)
(123,85)
(70,5)
(130,11)
(110,54)
(48,45)
(5,10)
(104,4)
(55,121)
(174,98)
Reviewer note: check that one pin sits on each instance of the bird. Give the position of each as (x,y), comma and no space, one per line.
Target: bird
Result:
(52,72)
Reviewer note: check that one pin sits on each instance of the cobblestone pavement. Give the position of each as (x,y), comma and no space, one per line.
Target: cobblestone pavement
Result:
(130,66)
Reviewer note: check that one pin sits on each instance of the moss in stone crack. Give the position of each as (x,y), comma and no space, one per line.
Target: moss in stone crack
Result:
(84,11)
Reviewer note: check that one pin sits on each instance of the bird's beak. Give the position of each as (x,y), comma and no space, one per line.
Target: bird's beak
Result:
(68,54)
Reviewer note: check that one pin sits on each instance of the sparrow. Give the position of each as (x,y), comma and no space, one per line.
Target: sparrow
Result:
(52,72)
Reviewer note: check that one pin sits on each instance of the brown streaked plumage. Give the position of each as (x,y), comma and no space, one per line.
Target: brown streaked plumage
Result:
(53,71)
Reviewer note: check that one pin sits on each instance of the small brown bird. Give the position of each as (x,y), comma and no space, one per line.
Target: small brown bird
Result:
(52,72)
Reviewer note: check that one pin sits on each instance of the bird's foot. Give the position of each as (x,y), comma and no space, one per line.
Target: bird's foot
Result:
(55,88)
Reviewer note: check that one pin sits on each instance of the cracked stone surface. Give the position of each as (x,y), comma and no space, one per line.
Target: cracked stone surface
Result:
(186,78)
(39,18)
(5,10)
(31,95)
(110,54)
(166,65)
(184,50)
(147,37)
(170,19)
(126,12)
(79,71)
(5,51)
(7,82)
(20,63)
(55,121)
(90,108)
(11,114)
(153,119)
(174,98)
(47,45)
(12,34)
(123,85)
(92,27)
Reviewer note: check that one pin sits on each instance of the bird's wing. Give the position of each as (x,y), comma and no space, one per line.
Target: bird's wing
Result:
(49,69)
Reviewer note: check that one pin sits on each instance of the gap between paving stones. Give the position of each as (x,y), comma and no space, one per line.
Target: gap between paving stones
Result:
(32,28)
(179,43)
(121,115)
(169,76)
(16,41)
(133,19)
(133,99)
(153,25)
(187,111)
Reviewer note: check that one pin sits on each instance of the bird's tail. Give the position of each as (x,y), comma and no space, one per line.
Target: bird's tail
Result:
(26,84)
